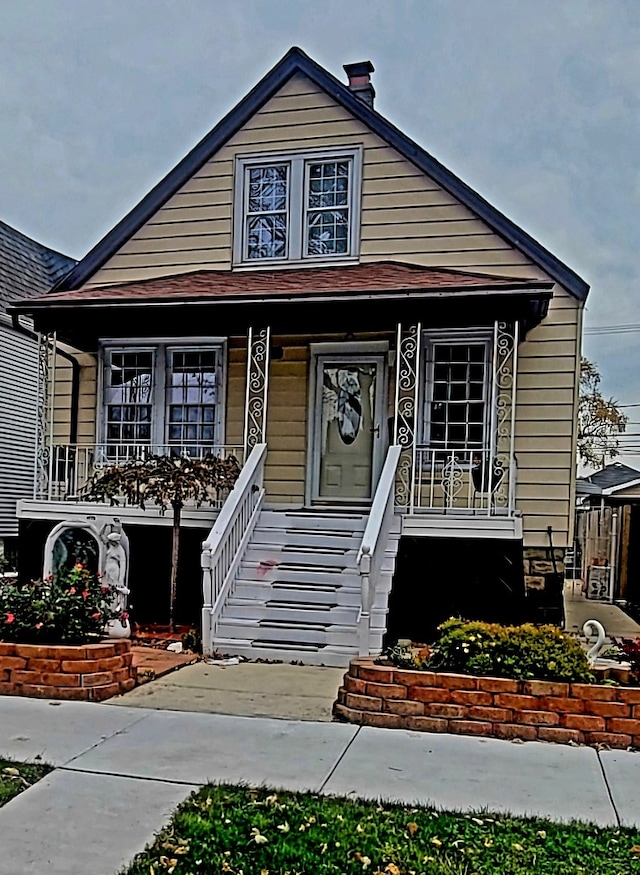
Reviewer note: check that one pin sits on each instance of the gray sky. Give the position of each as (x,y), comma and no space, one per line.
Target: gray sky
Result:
(535,105)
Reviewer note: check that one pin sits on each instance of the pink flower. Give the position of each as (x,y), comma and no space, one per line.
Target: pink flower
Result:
(38,625)
(72,590)
(9,618)
(78,566)
(96,616)
(85,594)
(124,615)
(105,588)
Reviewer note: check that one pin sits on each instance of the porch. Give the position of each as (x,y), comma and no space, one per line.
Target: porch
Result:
(328,412)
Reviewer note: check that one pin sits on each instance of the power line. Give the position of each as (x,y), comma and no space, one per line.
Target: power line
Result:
(613,329)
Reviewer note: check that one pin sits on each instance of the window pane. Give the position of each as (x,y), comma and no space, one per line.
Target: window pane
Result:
(268,189)
(327,208)
(266,211)
(458,393)
(267,236)
(192,396)
(328,232)
(129,377)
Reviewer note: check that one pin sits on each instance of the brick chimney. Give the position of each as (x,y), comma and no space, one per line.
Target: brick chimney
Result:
(359,75)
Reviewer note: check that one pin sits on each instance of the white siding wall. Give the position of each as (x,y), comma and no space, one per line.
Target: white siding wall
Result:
(18,393)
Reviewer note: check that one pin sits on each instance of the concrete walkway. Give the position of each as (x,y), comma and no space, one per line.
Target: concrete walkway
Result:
(579,609)
(120,771)
(293,692)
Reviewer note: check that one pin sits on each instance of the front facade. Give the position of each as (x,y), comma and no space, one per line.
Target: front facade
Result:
(311,288)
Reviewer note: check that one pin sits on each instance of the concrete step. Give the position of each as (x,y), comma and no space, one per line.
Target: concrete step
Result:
(337,657)
(301,633)
(292,613)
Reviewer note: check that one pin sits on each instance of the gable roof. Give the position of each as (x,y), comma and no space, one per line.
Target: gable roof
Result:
(296,61)
(27,268)
(373,279)
(612,478)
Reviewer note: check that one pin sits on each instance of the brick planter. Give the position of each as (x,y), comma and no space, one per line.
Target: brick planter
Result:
(382,695)
(88,672)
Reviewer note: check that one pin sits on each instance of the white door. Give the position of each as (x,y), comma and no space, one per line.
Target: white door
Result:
(348,427)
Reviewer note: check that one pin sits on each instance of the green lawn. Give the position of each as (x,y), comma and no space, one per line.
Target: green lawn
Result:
(16,777)
(240,831)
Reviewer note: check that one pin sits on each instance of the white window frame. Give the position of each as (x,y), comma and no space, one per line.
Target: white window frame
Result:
(160,346)
(297,163)
(448,337)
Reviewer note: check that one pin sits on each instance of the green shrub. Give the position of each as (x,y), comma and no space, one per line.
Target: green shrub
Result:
(519,652)
(70,608)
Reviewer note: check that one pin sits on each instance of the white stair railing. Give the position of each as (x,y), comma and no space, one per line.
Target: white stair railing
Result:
(228,539)
(374,545)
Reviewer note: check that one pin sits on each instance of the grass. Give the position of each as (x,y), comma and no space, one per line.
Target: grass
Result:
(16,777)
(241,831)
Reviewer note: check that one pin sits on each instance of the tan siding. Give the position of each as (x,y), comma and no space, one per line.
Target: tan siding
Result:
(545,426)
(405,214)
(285,469)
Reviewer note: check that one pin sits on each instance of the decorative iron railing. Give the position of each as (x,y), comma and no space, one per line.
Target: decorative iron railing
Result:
(224,549)
(69,467)
(469,481)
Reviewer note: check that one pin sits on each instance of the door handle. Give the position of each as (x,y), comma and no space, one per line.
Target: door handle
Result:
(375,430)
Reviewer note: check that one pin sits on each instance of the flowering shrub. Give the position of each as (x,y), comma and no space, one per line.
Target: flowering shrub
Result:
(70,608)
(518,652)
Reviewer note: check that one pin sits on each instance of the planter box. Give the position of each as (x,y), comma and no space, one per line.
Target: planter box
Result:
(382,695)
(87,672)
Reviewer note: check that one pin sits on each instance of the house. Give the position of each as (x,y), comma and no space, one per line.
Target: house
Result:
(26,269)
(393,360)
(608,533)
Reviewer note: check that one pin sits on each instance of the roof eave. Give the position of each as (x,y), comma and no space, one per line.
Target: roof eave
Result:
(542,290)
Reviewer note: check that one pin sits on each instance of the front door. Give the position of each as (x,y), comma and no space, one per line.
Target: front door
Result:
(348,427)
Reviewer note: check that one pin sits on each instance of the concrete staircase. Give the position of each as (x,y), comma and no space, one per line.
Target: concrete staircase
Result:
(297,593)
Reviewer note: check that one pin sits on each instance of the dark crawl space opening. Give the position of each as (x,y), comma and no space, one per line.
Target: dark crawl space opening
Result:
(438,578)
(149,571)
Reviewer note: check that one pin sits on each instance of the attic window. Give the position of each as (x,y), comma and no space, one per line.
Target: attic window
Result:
(296,208)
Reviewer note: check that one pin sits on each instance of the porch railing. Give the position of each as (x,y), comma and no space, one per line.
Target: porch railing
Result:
(466,481)
(374,545)
(69,467)
(224,549)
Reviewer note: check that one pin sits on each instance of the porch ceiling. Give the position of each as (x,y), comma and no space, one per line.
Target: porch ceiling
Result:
(296,300)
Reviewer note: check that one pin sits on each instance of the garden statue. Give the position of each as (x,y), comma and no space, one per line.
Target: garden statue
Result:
(115,578)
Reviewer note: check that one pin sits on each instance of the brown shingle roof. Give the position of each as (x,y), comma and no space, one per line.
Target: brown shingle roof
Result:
(376,277)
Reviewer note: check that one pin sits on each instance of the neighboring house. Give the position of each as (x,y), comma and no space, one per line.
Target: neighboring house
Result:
(27,269)
(394,360)
(608,532)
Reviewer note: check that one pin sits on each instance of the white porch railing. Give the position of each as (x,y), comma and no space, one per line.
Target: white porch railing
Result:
(224,549)
(471,482)
(71,466)
(374,545)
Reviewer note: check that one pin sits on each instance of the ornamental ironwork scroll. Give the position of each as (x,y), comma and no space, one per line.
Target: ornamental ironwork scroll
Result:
(505,363)
(44,414)
(406,410)
(255,411)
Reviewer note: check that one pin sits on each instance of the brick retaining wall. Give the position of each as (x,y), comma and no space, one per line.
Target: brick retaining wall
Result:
(381,695)
(89,672)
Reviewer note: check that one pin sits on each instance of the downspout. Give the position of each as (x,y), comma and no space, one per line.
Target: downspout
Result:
(75,377)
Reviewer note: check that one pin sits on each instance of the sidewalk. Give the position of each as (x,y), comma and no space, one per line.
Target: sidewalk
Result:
(120,771)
